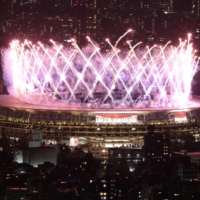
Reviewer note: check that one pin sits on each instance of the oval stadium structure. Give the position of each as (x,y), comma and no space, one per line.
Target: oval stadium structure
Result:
(104,98)
(101,127)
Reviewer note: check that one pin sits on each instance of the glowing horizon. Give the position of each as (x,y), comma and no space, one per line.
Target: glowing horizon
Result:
(157,76)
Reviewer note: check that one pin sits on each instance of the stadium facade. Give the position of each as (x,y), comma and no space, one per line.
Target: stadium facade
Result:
(99,127)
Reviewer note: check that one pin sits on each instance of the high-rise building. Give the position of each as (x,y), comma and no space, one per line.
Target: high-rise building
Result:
(156,145)
(8,7)
(88,18)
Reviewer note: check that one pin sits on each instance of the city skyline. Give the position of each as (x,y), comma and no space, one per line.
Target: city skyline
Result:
(152,21)
(100,104)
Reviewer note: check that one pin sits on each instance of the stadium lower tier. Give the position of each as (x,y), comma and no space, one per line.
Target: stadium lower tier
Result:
(106,128)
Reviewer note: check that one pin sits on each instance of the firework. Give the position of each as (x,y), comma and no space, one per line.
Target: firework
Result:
(157,76)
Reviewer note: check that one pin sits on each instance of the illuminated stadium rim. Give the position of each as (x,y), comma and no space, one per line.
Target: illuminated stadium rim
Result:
(19,119)
(11,102)
(13,110)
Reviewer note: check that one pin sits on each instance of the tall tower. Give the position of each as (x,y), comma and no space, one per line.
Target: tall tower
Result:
(196,8)
(79,12)
(156,145)
(171,6)
(93,16)
(8,7)
(88,18)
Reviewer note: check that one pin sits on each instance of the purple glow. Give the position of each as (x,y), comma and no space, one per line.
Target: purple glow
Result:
(153,77)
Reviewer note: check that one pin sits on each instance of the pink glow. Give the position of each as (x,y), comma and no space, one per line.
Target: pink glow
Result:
(153,77)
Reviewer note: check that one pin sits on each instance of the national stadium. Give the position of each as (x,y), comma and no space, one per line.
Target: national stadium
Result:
(105,99)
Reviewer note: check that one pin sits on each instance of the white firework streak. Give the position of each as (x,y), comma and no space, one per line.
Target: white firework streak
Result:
(47,75)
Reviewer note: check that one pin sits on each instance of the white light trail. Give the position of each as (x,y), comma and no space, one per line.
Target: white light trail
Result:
(153,77)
